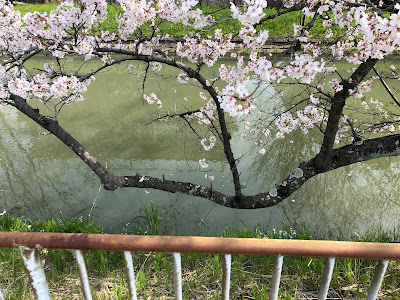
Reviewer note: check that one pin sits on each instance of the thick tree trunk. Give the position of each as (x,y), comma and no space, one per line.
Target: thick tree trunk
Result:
(324,158)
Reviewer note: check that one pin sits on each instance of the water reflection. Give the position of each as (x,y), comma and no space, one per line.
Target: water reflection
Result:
(41,177)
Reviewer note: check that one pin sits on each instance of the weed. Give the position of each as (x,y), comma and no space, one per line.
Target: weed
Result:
(201,273)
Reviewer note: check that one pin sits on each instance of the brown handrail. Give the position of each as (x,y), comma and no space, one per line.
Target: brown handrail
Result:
(190,244)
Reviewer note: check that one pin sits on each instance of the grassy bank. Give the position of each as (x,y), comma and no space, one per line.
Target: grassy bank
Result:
(278,28)
(250,279)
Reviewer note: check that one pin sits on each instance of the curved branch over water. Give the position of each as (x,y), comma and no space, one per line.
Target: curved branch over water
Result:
(344,156)
(223,130)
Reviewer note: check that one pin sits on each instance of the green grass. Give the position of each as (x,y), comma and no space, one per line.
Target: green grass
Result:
(41,8)
(278,28)
(110,24)
(250,278)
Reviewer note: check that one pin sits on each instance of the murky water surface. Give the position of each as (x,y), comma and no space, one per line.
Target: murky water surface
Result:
(40,177)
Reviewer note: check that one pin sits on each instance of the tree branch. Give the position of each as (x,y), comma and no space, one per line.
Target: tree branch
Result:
(221,115)
(385,8)
(280,13)
(110,181)
(387,88)
(338,102)
(344,156)
(186,113)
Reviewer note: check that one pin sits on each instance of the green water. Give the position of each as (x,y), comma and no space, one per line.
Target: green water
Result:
(40,177)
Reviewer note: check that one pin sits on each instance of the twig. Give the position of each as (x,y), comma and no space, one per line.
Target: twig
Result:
(174,115)
(387,88)
(94,202)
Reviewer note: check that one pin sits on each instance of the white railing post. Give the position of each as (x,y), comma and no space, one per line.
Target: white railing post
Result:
(33,265)
(326,278)
(377,280)
(131,275)
(276,277)
(83,274)
(226,277)
(177,276)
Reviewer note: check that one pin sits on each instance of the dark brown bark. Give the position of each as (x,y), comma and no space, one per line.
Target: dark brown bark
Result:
(110,181)
(323,159)
(224,135)
(362,151)
(344,156)
(53,127)
(326,160)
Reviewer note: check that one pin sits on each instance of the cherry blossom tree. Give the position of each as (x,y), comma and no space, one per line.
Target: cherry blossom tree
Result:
(370,32)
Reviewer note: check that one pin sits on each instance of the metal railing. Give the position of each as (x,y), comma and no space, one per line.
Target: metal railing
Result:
(30,242)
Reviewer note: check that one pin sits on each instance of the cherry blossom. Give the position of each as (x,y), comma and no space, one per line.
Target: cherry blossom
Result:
(252,15)
(152,98)
(208,144)
(231,94)
(209,177)
(208,50)
(235,100)
(20,87)
(203,163)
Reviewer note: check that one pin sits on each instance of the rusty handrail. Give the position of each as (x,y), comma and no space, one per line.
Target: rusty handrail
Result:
(190,244)
(28,242)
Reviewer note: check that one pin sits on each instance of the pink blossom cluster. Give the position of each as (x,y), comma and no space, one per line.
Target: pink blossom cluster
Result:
(237,76)
(135,14)
(306,119)
(304,68)
(203,163)
(208,144)
(40,86)
(262,67)
(286,123)
(232,74)
(235,100)
(202,118)
(383,113)
(209,177)
(183,12)
(291,3)
(156,66)
(335,85)
(253,39)
(362,88)
(208,50)
(49,31)
(20,87)
(12,40)
(183,78)
(206,113)
(252,14)
(152,98)
(3,93)
(65,86)
(380,35)
(342,130)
